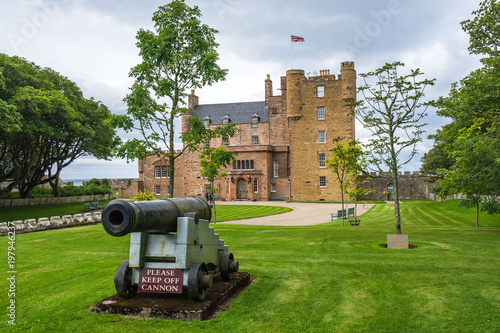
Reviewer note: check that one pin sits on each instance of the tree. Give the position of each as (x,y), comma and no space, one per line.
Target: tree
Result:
(472,139)
(50,124)
(345,164)
(212,159)
(484,29)
(436,159)
(392,110)
(180,53)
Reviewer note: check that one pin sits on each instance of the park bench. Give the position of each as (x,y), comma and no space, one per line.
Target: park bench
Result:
(87,207)
(96,205)
(276,197)
(350,212)
(339,214)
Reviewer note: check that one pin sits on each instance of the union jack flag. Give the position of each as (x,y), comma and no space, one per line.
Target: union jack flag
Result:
(297,39)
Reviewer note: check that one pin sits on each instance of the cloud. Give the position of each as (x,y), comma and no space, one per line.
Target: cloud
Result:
(92,42)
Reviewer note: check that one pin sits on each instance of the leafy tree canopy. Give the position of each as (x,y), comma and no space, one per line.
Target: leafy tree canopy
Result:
(180,53)
(46,125)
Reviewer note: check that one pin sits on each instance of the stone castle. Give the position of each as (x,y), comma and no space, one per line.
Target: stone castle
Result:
(281,148)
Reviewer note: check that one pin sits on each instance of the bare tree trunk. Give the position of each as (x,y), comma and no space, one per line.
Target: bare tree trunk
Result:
(477,215)
(342,195)
(396,202)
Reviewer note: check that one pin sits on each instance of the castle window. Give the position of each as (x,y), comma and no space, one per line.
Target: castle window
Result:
(251,165)
(255,140)
(242,165)
(225,120)
(225,143)
(206,122)
(161,171)
(234,165)
(239,165)
(273,187)
(322,181)
(255,185)
(255,120)
(321,113)
(320,91)
(157,190)
(248,164)
(321,137)
(207,143)
(322,160)
(275,169)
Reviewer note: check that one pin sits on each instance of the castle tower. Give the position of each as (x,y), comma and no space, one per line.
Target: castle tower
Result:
(348,77)
(316,115)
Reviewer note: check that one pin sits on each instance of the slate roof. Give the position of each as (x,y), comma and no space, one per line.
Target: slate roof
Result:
(239,113)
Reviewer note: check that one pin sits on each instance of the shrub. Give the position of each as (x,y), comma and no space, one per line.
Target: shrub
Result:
(143,196)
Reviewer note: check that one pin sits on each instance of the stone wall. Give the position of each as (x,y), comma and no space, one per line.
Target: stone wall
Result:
(412,186)
(55,222)
(55,201)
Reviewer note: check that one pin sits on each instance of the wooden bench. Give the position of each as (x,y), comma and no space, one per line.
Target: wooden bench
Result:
(276,197)
(338,215)
(350,212)
(87,207)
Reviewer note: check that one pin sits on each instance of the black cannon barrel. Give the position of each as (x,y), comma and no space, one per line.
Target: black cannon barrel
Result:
(121,217)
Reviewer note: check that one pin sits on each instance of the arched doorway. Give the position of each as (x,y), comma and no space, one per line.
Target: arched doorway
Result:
(241,189)
(390,192)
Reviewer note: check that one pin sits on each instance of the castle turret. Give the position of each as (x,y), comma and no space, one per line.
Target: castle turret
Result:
(294,78)
(186,117)
(348,76)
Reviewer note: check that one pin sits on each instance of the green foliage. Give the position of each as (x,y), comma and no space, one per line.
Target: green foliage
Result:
(392,110)
(347,161)
(436,159)
(473,137)
(180,53)
(45,124)
(143,196)
(484,29)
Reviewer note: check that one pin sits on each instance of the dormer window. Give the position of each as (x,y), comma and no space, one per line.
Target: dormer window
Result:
(206,122)
(225,120)
(255,120)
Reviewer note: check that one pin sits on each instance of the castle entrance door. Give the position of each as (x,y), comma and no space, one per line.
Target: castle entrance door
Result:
(241,189)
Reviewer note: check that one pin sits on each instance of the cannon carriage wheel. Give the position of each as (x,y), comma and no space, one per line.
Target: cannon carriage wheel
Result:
(123,281)
(198,281)
(227,266)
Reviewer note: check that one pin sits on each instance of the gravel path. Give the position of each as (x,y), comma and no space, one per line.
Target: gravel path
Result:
(302,213)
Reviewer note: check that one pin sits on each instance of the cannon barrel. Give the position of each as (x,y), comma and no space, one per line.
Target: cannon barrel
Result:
(121,217)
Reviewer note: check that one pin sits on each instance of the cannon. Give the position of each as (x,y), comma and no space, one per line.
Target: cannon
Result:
(172,247)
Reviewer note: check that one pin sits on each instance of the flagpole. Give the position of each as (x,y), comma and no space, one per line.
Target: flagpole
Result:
(291,47)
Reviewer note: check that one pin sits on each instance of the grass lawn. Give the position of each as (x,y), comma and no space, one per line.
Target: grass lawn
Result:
(323,278)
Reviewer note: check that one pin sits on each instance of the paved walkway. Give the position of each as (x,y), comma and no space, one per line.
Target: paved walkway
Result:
(302,213)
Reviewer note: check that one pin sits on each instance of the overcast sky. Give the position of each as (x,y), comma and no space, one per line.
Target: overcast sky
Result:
(93,43)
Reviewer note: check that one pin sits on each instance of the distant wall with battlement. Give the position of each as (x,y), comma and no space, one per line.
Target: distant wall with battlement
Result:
(412,186)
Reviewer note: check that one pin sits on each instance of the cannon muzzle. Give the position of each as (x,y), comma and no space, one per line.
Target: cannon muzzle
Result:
(121,217)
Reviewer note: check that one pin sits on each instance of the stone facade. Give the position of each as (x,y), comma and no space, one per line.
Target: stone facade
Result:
(280,146)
